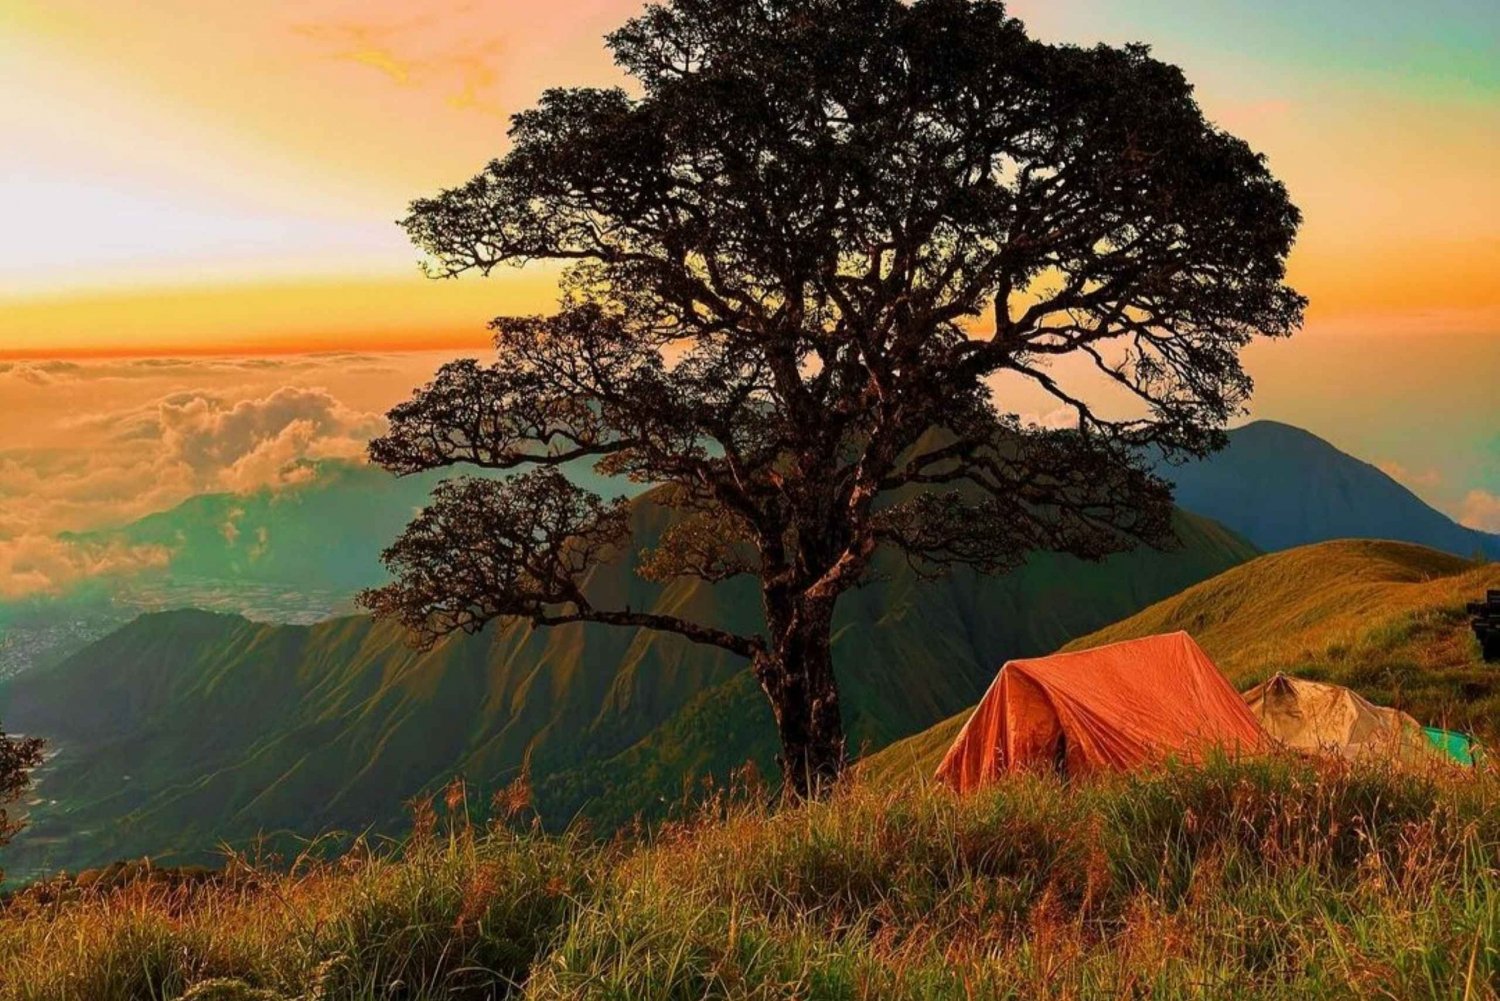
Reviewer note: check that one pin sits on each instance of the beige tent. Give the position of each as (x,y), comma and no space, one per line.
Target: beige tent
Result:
(1314,716)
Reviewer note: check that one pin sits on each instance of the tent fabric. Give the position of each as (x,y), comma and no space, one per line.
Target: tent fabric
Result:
(1316,716)
(1113,707)
(1458,746)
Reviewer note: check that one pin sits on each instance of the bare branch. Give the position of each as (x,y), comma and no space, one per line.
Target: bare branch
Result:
(488,549)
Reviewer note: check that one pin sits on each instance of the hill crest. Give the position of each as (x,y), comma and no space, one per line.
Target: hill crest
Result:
(1385,618)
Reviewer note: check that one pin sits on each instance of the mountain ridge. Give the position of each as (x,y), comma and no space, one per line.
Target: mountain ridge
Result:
(300,553)
(202,727)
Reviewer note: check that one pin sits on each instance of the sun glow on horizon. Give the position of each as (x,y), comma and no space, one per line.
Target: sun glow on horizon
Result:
(191,174)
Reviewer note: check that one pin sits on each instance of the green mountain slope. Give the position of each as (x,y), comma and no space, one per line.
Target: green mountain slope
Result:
(185,729)
(1384,618)
(325,533)
(296,554)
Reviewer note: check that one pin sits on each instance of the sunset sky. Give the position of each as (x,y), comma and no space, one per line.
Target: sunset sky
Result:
(200,177)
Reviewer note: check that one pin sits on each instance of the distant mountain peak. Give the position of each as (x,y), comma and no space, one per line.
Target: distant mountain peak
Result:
(1282,486)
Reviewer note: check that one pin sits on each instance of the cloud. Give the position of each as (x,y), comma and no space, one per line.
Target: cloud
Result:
(231,528)
(53,372)
(262,543)
(143,459)
(37,564)
(1057,419)
(274,462)
(44,490)
(149,457)
(40,373)
(1480,509)
(89,444)
(261,442)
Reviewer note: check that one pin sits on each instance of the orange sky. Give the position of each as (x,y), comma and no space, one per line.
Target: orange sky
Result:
(202,173)
(201,177)
(215,175)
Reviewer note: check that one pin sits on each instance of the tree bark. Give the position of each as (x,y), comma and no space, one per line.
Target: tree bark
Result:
(796,674)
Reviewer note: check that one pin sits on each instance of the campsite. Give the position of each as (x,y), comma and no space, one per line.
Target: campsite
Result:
(1140,702)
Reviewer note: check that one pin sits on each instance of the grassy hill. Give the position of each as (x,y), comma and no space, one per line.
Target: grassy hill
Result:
(187,729)
(1280,486)
(1267,881)
(1384,618)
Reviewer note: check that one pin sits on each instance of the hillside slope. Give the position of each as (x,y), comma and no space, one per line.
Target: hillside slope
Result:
(199,727)
(298,554)
(1254,881)
(325,533)
(1280,486)
(1384,618)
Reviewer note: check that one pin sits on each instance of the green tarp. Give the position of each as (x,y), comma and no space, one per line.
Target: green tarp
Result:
(1458,746)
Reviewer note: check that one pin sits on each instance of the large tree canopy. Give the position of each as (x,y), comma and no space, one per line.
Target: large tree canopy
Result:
(803,252)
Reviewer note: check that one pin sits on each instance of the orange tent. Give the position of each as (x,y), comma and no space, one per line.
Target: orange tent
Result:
(1115,706)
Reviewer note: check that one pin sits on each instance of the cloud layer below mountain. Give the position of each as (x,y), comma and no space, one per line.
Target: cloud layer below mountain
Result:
(41,564)
(89,444)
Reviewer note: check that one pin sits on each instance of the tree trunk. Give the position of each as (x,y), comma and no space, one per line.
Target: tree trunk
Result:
(797,677)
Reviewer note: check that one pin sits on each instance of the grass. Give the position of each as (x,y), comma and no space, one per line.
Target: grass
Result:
(1384,618)
(452,913)
(1279,878)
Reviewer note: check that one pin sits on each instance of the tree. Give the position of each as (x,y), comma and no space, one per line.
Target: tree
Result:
(805,258)
(18,755)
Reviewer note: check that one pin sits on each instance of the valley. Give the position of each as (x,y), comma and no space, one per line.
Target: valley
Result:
(228,729)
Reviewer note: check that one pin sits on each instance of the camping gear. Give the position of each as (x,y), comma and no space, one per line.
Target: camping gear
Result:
(1459,746)
(1486,624)
(1112,707)
(1316,716)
